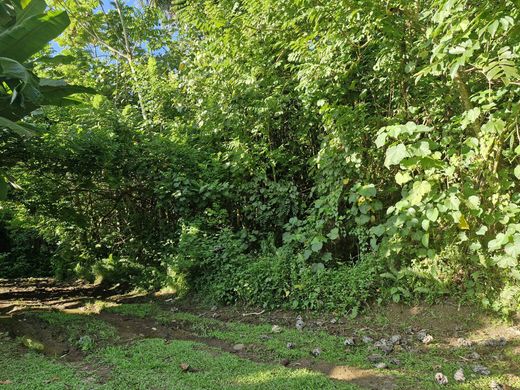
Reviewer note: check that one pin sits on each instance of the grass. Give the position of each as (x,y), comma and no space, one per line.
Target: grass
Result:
(85,332)
(417,370)
(155,363)
(31,370)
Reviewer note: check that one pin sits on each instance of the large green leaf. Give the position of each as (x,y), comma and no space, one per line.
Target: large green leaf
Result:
(55,92)
(32,8)
(394,154)
(19,79)
(32,35)
(17,128)
(3,187)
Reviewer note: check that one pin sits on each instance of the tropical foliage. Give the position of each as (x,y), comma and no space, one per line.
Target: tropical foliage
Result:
(299,153)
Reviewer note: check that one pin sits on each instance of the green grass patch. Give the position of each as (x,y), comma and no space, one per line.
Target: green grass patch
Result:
(417,370)
(85,332)
(32,370)
(154,364)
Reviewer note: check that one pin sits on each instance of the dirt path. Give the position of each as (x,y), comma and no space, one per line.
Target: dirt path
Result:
(18,298)
(448,323)
(47,294)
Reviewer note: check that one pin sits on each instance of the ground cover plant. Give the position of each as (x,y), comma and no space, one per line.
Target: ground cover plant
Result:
(172,343)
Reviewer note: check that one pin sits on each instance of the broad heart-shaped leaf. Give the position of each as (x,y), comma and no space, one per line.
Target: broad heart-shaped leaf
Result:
(517,172)
(316,244)
(333,234)
(32,35)
(432,214)
(18,129)
(505,261)
(394,154)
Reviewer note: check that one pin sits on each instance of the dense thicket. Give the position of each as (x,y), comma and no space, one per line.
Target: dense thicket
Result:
(305,153)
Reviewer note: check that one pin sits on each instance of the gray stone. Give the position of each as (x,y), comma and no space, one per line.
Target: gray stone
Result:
(480,369)
(395,339)
(381,366)
(291,345)
(499,342)
(299,323)
(384,345)
(459,375)
(421,335)
(496,386)
(462,342)
(238,347)
(349,342)
(427,339)
(276,329)
(474,356)
(441,378)
(316,352)
(375,358)
(367,339)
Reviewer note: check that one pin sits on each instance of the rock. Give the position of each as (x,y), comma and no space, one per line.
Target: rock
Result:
(284,362)
(381,366)
(384,345)
(291,345)
(238,347)
(276,329)
(299,323)
(349,342)
(333,321)
(462,342)
(375,358)
(480,369)
(316,352)
(395,339)
(421,335)
(441,378)
(213,308)
(474,356)
(497,386)
(499,342)
(319,323)
(427,339)
(265,337)
(367,339)
(395,362)
(215,315)
(459,375)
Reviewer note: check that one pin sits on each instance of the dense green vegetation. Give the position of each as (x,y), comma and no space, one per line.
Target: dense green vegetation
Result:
(302,153)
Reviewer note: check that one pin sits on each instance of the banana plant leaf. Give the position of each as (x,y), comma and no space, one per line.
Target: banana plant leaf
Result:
(32,35)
